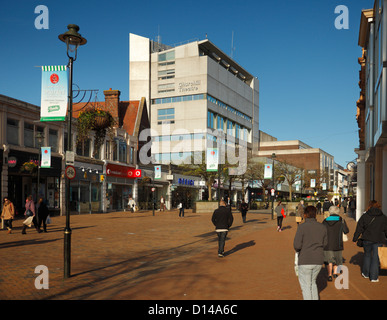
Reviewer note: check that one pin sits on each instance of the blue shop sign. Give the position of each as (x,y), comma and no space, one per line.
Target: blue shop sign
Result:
(186,182)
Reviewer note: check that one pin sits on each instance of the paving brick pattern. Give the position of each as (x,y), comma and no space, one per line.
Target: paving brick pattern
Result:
(138,256)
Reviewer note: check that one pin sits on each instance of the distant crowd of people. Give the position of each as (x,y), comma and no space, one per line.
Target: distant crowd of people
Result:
(36,214)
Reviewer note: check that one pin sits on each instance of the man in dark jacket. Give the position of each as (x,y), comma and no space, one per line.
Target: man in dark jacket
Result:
(333,252)
(222,219)
(372,226)
(310,240)
(326,205)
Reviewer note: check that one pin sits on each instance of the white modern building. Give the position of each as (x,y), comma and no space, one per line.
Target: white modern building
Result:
(372,109)
(194,92)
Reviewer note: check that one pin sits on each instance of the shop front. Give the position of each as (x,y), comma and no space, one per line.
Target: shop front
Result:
(23,174)
(119,185)
(86,188)
(186,190)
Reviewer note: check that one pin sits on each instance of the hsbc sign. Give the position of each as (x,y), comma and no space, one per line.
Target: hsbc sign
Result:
(116,170)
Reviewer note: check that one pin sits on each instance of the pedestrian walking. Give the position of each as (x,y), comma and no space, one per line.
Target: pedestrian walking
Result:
(326,205)
(181,209)
(372,228)
(222,219)
(310,240)
(318,207)
(280,211)
(244,208)
(351,208)
(300,212)
(333,252)
(344,204)
(162,204)
(30,212)
(42,215)
(131,204)
(8,214)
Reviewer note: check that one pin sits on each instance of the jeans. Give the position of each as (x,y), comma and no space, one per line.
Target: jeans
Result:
(371,260)
(221,241)
(307,275)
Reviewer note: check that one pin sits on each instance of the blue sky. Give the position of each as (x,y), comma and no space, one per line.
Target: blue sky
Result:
(308,69)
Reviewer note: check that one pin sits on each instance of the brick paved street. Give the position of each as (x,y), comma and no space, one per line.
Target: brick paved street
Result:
(137,256)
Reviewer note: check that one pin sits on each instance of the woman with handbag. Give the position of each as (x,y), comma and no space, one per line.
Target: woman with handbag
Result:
(372,227)
(29,213)
(8,214)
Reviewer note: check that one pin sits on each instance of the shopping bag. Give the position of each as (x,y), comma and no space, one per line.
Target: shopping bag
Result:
(283,212)
(28,221)
(383,257)
(48,220)
(296,263)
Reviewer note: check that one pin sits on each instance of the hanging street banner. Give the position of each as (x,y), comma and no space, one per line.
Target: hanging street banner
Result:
(46,157)
(212,159)
(268,171)
(157,172)
(54,98)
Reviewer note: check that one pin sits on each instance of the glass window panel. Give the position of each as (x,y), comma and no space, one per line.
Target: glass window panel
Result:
(13,131)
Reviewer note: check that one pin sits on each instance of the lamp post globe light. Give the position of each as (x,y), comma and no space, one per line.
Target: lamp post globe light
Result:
(73,40)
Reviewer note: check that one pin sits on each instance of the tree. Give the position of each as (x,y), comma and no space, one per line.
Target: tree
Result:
(290,173)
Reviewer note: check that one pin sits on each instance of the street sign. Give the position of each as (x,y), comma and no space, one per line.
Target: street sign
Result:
(70,155)
(70,172)
(272,192)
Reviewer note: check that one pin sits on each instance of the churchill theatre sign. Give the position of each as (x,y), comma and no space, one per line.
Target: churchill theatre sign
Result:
(191,86)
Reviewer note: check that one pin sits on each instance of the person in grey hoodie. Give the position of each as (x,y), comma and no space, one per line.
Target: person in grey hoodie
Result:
(310,240)
(333,252)
(372,227)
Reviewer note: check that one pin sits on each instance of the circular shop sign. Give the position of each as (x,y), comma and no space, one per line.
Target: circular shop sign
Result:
(70,172)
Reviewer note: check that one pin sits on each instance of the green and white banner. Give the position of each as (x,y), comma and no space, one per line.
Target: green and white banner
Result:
(212,159)
(54,93)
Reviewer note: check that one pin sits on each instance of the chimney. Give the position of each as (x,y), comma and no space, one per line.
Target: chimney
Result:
(112,100)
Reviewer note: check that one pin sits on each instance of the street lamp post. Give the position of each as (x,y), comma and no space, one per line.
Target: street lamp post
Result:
(273,156)
(39,137)
(73,40)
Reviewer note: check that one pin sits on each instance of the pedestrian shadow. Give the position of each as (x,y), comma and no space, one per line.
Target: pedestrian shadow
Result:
(240,247)
(357,259)
(25,242)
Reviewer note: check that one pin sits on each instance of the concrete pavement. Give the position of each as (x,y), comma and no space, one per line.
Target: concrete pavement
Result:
(138,256)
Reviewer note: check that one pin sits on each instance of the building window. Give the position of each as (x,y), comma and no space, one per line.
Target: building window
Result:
(220,123)
(53,139)
(168,87)
(166,74)
(13,131)
(29,133)
(166,115)
(210,120)
(122,152)
(166,56)
(230,128)
(83,148)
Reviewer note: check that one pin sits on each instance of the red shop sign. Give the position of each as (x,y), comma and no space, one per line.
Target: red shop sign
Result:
(116,170)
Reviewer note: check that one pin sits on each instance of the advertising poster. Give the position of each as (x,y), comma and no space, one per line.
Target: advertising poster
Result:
(46,157)
(212,159)
(54,97)
(268,174)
